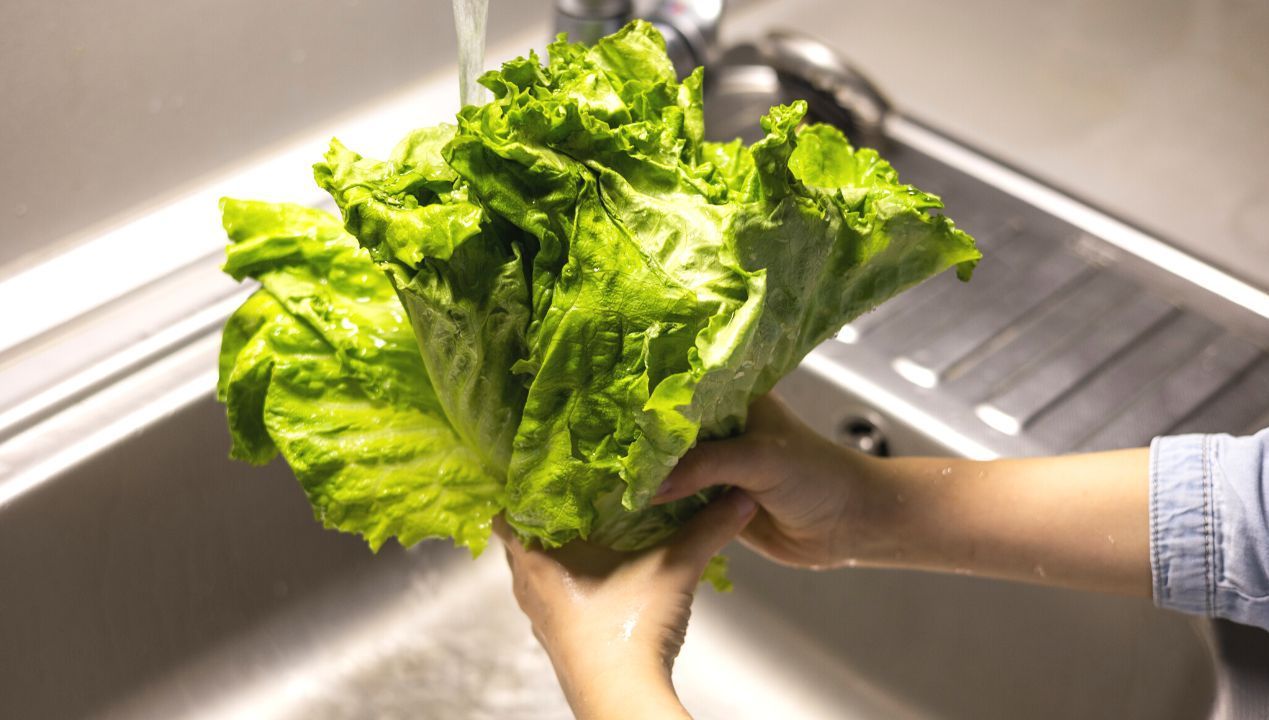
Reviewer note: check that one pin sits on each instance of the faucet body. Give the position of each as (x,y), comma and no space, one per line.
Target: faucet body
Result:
(690,27)
(588,20)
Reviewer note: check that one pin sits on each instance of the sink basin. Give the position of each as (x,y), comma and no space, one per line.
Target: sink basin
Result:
(156,578)
(143,574)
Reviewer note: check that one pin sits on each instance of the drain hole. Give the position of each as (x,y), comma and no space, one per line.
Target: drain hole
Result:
(862,434)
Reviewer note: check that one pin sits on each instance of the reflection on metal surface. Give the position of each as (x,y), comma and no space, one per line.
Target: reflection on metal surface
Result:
(915,373)
(783,67)
(114,367)
(1096,223)
(803,59)
(588,20)
(60,443)
(1065,369)
(1056,345)
(998,420)
(873,394)
(690,29)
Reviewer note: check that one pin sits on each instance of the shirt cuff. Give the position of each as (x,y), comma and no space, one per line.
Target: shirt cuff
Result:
(1183,524)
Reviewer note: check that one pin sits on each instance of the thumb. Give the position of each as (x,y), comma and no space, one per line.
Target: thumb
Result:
(707,533)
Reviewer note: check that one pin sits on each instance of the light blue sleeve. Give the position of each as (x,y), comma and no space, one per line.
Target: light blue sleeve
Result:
(1209,525)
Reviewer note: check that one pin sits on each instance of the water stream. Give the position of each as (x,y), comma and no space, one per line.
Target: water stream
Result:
(469,23)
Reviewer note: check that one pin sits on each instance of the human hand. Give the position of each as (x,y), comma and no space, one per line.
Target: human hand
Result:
(808,488)
(613,622)
(1079,521)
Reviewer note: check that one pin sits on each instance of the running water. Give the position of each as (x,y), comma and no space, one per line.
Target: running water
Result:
(469,22)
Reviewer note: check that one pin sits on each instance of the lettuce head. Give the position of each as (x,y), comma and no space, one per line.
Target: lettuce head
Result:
(537,311)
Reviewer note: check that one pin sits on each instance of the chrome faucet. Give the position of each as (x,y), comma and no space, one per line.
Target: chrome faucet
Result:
(690,27)
(588,20)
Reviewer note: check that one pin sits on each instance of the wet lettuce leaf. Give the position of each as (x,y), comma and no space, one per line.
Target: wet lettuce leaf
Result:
(593,288)
(321,365)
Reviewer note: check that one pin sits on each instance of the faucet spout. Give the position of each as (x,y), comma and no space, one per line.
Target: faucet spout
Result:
(588,20)
(690,27)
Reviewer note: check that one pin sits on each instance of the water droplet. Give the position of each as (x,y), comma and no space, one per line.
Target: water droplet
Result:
(963,571)
(851,562)
(1110,539)
(1039,570)
(947,470)
(901,498)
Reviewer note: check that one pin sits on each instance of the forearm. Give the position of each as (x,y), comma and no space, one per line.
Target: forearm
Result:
(1079,521)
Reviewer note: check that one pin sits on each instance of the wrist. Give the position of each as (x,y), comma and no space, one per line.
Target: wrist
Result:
(873,525)
(625,692)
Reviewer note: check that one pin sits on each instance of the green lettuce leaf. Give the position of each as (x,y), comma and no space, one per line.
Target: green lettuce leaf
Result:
(592,285)
(321,366)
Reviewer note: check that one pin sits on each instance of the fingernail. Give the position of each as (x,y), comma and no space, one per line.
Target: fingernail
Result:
(745,504)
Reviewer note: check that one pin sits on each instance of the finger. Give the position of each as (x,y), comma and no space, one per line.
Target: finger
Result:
(708,532)
(735,461)
(739,461)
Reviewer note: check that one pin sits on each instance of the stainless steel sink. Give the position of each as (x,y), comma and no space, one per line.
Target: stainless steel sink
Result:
(158,579)
(143,574)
